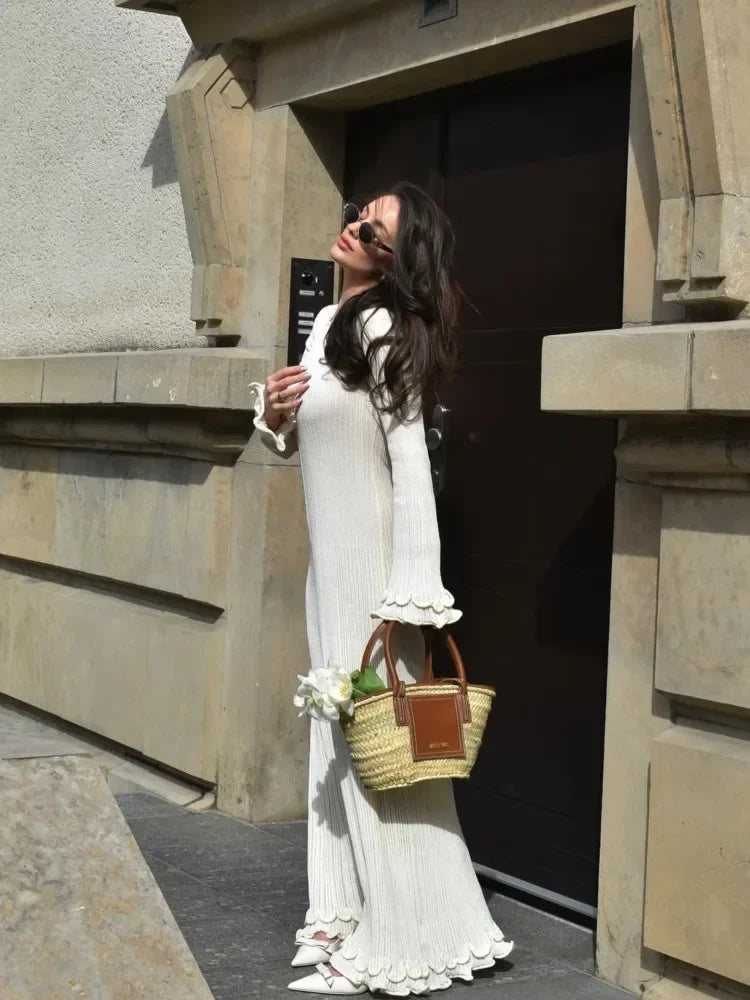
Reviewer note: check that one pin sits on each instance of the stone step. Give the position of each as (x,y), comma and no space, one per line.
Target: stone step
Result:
(81,915)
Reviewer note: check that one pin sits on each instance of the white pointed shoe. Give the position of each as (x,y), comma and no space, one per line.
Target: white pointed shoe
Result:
(323,982)
(314,952)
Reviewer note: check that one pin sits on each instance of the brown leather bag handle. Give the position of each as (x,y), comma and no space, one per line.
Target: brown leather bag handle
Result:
(460,680)
(400,702)
(371,643)
(386,629)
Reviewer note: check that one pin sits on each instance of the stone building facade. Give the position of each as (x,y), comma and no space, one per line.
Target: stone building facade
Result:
(93,244)
(153,553)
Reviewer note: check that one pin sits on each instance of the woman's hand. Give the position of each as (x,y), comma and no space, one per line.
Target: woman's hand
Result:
(284,392)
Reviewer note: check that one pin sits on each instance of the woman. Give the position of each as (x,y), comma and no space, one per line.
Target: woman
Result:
(394,901)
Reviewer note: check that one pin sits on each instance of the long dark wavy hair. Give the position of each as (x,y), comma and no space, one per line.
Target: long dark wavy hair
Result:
(421,296)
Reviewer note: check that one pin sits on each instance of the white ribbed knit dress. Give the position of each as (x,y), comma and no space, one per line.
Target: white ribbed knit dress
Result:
(388,872)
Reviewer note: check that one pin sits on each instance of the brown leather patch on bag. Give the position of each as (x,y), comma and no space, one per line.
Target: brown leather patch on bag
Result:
(436,727)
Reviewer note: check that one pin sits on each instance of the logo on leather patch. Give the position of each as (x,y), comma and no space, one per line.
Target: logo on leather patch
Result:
(436,727)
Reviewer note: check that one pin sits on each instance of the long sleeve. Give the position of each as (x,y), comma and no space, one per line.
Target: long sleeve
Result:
(280,441)
(415,591)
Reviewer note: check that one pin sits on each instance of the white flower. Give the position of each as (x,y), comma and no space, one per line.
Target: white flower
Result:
(325,693)
(340,687)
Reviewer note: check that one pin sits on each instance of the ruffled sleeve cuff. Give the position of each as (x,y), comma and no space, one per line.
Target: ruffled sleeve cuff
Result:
(436,610)
(278,439)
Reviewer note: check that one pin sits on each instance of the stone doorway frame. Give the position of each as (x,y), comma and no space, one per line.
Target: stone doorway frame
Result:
(258,121)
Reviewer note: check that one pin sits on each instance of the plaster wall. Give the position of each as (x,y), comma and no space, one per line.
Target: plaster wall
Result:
(93,245)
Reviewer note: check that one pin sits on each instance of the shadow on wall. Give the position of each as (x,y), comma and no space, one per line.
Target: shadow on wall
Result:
(160,154)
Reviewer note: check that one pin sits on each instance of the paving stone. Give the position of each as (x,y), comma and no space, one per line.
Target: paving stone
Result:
(288,913)
(558,987)
(485,981)
(212,830)
(294,833)
(239,894)
(220,857)
(237,939)
(189,899)
(141,805)
(229,855)
(255,981)
(543,943)
(265,888)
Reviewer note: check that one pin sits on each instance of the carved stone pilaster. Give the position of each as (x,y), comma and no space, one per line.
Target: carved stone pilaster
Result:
(211,117)
(699,94)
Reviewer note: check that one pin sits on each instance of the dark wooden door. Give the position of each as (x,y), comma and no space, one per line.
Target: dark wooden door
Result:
(531,169)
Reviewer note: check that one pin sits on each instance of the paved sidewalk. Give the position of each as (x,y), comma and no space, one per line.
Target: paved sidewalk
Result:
(238,893)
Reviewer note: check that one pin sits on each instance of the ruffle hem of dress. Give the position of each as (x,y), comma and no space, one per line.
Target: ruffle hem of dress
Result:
(405,978)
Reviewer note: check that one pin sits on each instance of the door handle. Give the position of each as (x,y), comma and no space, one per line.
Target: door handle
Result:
(436,438)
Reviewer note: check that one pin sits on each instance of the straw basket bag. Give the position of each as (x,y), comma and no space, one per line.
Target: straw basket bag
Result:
(417,732)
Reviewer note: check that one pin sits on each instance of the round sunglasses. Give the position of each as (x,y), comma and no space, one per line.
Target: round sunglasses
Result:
(366,232)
